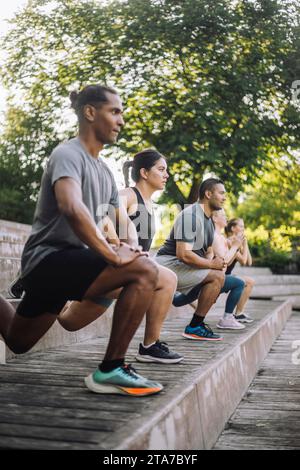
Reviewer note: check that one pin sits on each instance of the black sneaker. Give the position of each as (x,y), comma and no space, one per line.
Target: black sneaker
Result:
(243,318)
(158,352)
(16,289)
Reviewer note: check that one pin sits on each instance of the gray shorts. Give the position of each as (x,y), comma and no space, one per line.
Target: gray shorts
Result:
(188,277)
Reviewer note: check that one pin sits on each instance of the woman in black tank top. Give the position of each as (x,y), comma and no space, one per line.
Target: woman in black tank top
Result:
(144,221)
(149,172)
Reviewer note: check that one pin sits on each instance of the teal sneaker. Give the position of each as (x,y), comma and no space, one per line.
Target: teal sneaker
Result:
(201,333)
(123,381)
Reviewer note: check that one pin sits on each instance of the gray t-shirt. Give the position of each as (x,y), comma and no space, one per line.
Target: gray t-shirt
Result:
(51,230)
(191,226)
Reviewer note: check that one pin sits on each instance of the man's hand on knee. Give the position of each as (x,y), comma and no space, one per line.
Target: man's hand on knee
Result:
(127,254)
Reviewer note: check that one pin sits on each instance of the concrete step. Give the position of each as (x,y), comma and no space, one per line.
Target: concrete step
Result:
(9,268)
(12,238)
(294,299)
(200,393)
(269,291)
(252,271)
(276,286)
(277,280)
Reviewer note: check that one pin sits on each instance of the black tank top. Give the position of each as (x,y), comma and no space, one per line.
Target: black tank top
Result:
(144,222)
(230,267)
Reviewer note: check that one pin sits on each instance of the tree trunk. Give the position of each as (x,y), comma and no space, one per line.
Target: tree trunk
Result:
(194,192)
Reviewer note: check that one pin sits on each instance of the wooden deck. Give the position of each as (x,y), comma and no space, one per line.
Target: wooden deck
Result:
(45,405)
(269,415)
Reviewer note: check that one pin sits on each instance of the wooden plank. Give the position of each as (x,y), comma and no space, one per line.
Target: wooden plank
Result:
(13,409)
(84,400)
(252,443)
(38,443)
(288,429)
(60,420)
(50,433)
(268,416)
(281,406)
(259,415)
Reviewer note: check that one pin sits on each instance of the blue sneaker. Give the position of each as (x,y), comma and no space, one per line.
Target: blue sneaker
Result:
(201,333)
(123,381)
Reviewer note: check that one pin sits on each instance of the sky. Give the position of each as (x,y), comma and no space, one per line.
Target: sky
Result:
(7,11)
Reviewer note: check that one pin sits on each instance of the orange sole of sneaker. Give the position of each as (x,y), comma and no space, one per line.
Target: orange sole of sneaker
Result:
(140,392)
(198,338)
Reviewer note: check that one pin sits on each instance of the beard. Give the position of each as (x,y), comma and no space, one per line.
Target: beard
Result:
(105,138)
(215,206)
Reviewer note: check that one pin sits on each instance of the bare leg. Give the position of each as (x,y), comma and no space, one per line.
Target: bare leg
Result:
(7,314)
(212,285)
(140,279)
(77,315)
(161,302)
(130,308)
(20,333)
(249,283)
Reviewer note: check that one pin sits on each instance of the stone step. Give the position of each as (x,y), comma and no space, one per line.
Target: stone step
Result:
(269,291)
(9,268)
(252,271)
(277,280)
(295,300)
(43,398)
(12,238)
(276,286)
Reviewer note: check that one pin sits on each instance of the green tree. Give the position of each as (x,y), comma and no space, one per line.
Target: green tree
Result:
(271,211)
(274,198)
(207,83)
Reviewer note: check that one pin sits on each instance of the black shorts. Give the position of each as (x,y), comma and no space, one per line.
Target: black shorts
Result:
(59,277)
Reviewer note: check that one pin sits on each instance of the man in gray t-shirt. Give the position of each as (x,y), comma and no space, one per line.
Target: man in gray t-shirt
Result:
(51,230)
(191,226)
(68,258)
(188,252)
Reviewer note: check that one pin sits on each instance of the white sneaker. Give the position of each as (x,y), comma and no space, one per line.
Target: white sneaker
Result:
(230,323)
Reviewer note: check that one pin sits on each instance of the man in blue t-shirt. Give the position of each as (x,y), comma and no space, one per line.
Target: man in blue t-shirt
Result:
(188,253)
